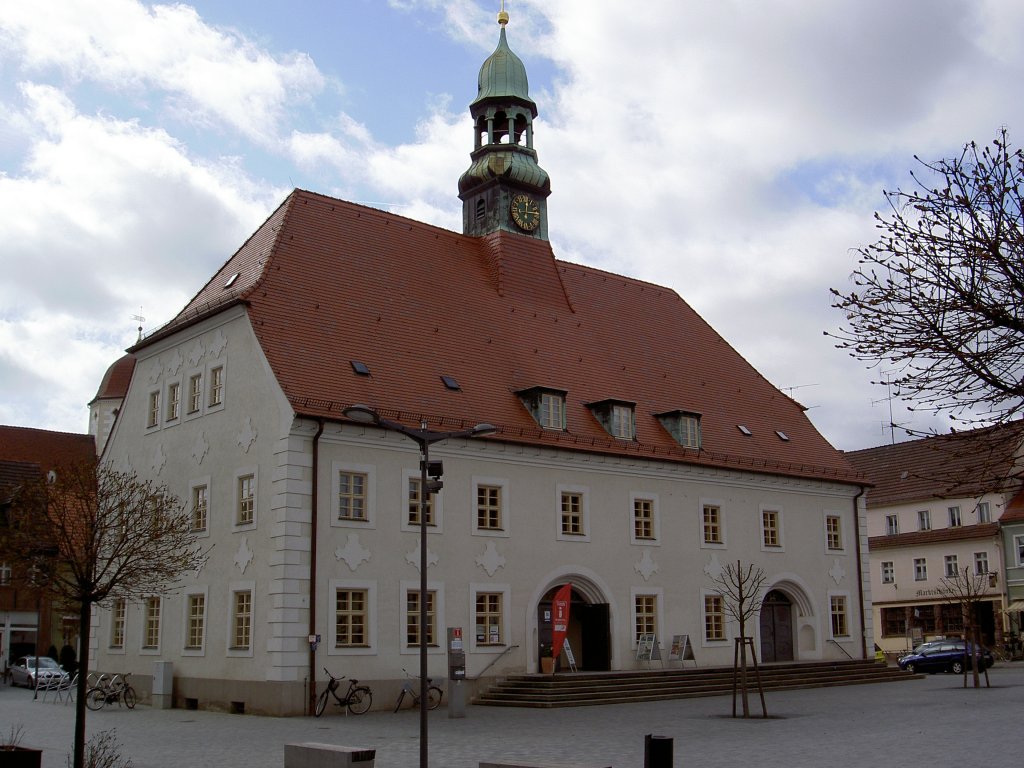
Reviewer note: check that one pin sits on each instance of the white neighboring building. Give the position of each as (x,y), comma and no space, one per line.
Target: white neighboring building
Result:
(933,510)
(636,454)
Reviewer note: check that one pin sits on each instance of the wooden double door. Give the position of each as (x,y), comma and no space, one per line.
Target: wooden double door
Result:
(776,627)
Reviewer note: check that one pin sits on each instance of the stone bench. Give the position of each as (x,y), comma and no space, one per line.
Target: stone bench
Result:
(311,754)
(518,764)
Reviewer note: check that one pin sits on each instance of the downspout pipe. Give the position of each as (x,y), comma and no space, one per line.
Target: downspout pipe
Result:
(314,502)
(860,577)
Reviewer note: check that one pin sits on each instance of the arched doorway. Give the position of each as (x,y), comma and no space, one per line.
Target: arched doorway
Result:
(589,631)
(776,627)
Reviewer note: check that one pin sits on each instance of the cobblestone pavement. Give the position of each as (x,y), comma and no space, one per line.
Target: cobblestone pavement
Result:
(930,721)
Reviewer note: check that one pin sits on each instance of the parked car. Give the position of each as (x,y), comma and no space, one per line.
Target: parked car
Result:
(944,656)
(23,671)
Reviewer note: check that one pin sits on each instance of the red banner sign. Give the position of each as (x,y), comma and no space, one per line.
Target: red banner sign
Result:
(560,608)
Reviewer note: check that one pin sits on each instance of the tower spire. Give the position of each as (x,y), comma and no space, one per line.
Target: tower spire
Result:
(504,187)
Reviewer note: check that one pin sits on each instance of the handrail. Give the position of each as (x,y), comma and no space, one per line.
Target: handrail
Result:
(837,645)
(494,661)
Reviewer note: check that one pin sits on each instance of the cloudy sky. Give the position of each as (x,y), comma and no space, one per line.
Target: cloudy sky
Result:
(730,149)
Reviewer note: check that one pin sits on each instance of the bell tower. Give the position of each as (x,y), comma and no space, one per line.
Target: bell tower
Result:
(504,187)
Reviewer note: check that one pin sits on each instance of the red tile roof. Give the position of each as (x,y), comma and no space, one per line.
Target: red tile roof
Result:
(958,465)
(47,449)
(1014,512)
(937,536)
(327,282)
(116,379)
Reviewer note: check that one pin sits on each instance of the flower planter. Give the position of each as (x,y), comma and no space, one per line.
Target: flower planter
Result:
(21,757)
(547,665)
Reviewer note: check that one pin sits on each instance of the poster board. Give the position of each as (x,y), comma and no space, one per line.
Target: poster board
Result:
(681,649)
(647,647)
(567,650)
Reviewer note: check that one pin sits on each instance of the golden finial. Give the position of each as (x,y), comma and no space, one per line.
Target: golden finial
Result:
(503,14)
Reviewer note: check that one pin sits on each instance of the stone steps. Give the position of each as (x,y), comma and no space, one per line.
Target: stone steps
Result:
(577,689)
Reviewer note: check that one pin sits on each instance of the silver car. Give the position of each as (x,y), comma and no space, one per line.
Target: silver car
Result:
(23,671)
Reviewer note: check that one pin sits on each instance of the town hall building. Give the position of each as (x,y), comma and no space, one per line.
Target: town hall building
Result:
(634,454)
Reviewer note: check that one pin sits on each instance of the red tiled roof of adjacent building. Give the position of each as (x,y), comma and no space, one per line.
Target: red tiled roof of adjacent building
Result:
(1014,512)
(958,465)
(937,536)
(116,380)
(327,282)
(47,449)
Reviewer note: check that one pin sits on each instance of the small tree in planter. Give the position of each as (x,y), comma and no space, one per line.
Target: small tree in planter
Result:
(739,587)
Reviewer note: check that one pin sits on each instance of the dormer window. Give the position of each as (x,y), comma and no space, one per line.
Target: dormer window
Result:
(617,417)
(684,426)
(547,406)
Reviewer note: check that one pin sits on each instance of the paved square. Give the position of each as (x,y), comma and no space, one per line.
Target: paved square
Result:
(932,721)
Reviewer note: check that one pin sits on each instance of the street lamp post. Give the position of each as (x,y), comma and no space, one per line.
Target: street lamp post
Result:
(424,438)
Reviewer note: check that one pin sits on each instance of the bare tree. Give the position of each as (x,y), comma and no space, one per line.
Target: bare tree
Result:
(100,533)
(940,295)
(740,587)
(966,589)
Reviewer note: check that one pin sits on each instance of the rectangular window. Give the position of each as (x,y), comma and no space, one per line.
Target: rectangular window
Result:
(241,621)
(714,617)
(488,620)
(954,517)
(892,525)
(572,514)
(153,418)
(173,401)
(151,619)
(552,411)
(689,431)
(350,618)
(488,507)
(834,532)
(412,618)
(621,421)
(246,500)
(840,627)
(888,572)
(920,569)
(351,495)
(984,512)
(770,528)
(117,624)
(924,520)
(712,524)
(645,611)
(980,563)
(414,504)
(5,573)
(200,508)
(1018,548)
(894,622)
(195,392)
(643,518)
(952,567)
(217,385)
(196,622)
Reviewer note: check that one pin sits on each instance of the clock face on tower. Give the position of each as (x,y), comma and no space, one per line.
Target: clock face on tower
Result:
(525,212)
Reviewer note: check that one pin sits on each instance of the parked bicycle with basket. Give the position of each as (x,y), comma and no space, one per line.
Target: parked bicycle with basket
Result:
(357,698)
(434,693)
(110,690)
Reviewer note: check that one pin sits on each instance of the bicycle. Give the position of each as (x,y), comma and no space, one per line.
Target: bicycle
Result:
(357,698)
(434,693)
(109,690)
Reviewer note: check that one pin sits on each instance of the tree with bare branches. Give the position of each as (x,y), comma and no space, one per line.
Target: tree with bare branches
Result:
(940,295)
(740,588)
(99,533)
(966,589)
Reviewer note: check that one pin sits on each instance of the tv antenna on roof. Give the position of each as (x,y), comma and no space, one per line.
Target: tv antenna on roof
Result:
(140,320)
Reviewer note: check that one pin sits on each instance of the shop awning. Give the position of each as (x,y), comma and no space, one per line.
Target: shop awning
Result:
(1016,605)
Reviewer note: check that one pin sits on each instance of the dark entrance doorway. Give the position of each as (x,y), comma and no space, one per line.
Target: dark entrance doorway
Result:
(776,627)
(589,633)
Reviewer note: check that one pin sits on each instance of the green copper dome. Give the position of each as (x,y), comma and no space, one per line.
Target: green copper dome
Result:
(502,76)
